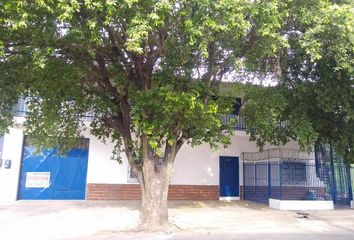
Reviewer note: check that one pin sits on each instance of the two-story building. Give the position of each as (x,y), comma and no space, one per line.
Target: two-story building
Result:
(280,173)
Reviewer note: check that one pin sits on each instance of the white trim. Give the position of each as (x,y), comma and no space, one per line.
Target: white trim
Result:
(300,204)
(352,204)
(228,198)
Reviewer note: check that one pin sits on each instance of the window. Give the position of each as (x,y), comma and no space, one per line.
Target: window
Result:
(294,172)
(236,106)
(131,176)
(158,164)
(133,179)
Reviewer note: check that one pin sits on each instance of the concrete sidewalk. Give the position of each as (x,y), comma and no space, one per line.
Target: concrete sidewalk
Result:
(103,220)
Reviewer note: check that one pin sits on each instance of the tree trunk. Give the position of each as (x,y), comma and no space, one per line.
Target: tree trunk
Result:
(154,190)
(154,212)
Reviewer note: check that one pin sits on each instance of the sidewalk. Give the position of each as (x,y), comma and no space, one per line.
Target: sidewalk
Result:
(103,220)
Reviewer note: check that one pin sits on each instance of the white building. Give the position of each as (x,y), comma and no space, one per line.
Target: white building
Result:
(200,173)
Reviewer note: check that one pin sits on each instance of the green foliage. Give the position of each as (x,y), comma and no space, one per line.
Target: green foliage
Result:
(315,95)
(141,68)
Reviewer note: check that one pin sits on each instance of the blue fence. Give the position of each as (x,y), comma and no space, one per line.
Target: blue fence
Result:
(286,180)
(342,174)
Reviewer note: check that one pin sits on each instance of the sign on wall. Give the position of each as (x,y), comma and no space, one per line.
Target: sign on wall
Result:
(37,179)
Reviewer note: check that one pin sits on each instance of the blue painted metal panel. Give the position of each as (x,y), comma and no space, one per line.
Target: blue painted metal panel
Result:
(229,177)
(67,174)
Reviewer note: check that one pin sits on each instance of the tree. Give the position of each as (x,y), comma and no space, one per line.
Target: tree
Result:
(146,70)
(315,94)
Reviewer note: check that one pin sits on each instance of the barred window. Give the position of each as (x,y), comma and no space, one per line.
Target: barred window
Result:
(131,176)
(294,172)
(133,179)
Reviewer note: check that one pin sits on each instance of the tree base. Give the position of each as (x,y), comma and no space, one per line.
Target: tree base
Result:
(152,226)
(166,227)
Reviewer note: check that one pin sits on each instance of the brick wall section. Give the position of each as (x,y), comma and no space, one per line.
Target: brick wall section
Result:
(132,192)
(288,192)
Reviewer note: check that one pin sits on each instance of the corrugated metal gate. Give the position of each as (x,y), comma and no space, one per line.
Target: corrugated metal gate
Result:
(47,175)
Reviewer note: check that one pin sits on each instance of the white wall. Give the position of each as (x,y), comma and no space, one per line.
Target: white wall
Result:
(200,165)
(1,144)
(101,169)
(300,204)
(12,150)
(193,166)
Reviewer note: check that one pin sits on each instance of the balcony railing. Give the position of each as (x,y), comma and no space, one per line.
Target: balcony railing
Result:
(21,110)
(239,124)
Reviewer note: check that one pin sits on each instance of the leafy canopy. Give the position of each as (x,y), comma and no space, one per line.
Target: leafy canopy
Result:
(144,69)
(315,96)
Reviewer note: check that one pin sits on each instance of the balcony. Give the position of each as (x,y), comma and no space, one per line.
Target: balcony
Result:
(239,125)
(21,110)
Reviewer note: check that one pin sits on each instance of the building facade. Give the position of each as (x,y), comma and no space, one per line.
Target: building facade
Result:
(87,172)
(197,174)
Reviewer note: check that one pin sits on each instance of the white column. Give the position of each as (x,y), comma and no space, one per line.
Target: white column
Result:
(9,178)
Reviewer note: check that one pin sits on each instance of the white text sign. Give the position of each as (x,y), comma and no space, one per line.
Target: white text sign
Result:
(37,179)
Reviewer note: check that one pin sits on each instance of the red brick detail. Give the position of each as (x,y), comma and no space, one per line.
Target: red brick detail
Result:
(288,192)
(193,192)
(132,192)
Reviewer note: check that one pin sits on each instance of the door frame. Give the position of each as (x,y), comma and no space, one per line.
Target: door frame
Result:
(230,198)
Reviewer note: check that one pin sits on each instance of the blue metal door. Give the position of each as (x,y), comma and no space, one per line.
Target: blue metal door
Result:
(47,175)
(229,176)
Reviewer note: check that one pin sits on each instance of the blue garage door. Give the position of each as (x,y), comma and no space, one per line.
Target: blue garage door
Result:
(229,177)
(47,175)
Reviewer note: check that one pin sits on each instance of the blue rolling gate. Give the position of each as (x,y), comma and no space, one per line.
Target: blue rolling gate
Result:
(46,175)
(290,175)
